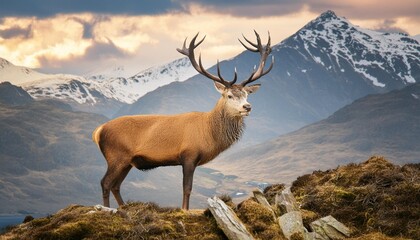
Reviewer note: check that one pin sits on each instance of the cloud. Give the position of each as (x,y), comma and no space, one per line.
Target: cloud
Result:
(362,9)
(388,25)
(247,8)
(101,50)
(94,55)
(88,25)
(48,8)
(16,32)
(367,9)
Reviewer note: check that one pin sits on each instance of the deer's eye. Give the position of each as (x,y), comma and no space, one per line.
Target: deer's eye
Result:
(230,96)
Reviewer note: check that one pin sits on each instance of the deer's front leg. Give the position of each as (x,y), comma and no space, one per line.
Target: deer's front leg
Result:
(188,168)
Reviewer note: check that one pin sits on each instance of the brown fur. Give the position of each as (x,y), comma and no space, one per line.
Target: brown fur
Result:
(149,141)
(189,139)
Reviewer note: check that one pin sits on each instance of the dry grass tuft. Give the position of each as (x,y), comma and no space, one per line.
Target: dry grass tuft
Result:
(368,197)
(270,192)
(258,220)
(376,236)
(143,221)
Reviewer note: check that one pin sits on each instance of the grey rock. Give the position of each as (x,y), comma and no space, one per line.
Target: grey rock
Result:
(329,228)
(291,223)
(263,201)
(285,202)
(227,220)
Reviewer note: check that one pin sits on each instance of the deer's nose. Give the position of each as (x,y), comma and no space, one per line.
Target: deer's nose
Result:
(247,107)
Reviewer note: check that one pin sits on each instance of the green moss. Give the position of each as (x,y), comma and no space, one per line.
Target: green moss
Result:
(344,195)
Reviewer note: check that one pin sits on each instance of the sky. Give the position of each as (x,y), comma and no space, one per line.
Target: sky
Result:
(86,37)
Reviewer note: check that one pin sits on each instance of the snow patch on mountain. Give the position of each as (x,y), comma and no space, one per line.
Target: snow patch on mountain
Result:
(18,75)
(365,50)
(107,72)
(130,89)
(63,87)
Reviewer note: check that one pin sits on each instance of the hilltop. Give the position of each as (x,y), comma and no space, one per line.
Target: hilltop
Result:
(375,199)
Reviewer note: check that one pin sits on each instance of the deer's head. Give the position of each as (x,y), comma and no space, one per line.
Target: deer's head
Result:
(233,95)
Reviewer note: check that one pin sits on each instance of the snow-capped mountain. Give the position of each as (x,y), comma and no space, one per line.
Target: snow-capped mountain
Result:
(128,90)
(18,75)
(74,89)
(98,88)
(107,72)
(335,43)
(324,66)
(65,87)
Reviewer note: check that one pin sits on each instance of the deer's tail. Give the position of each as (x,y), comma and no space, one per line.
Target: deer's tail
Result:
(97,134)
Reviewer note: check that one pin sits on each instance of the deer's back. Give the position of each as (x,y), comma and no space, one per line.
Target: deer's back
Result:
(157,137)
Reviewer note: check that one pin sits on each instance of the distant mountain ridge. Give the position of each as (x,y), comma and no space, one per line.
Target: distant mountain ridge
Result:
(17,75)
(379,124)
(100,91)
(12,95)
(128,90)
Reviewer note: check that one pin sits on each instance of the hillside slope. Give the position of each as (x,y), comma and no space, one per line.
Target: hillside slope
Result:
(46,154)
(385,124)
(376,199)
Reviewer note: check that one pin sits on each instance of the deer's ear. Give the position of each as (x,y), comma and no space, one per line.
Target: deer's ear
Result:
(252,88)
(219,87)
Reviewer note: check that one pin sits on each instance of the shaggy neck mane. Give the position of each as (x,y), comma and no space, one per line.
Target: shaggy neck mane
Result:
(226,129)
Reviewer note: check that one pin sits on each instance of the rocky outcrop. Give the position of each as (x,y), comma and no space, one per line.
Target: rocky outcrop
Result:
(227,220)
(287,214)
(329,228)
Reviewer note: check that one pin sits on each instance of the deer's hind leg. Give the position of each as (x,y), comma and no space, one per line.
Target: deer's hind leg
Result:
(116,187)
(112,180)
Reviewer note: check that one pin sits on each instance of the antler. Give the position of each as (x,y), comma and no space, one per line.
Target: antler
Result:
(264,52)
(256,73)
(189,52)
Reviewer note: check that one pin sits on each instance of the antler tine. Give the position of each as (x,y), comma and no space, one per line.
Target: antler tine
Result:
(220,75)
(264,52)
(189,52)
(270,67)
(235,77)
(251,43)
(269,40)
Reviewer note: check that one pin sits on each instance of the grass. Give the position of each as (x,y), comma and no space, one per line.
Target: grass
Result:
(138,221)
(373,196)
(258,220)
(376,199)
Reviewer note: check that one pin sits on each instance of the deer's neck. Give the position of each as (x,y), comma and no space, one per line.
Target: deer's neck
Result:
(225,128)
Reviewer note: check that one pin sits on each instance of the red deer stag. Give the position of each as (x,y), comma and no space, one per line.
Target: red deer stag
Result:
(189,139)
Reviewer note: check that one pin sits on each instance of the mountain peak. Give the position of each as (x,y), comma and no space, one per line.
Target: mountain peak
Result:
(4,62)
(12,95)
(334,42)
(328,15)
(328,18)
